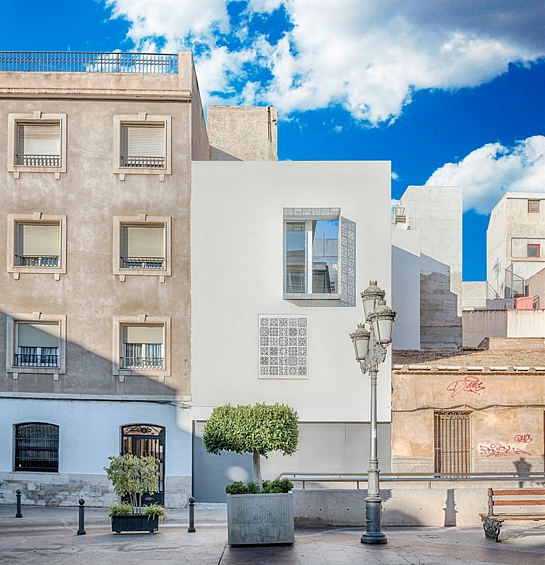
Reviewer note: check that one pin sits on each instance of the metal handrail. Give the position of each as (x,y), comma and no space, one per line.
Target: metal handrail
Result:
(358,478)
(87,62)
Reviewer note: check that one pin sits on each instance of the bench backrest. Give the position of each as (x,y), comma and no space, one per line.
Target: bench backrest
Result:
(494,498)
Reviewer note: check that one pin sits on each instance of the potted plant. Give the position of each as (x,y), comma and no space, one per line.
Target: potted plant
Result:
(131,477)
(262,511)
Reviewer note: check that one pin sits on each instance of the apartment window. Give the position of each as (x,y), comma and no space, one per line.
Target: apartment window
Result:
(534,206)
(142,246)
(36,244)
(37,143)
(311,256)
(37,344)
(142,144)
(452,442)
(534,250)
(37,448)
(142,346)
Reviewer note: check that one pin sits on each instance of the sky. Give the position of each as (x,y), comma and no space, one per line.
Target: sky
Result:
(452,92)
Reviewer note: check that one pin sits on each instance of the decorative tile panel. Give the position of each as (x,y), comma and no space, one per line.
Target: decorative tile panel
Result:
(348,262)
(283,346)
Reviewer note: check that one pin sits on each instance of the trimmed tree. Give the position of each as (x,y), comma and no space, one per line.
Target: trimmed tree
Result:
(258,430)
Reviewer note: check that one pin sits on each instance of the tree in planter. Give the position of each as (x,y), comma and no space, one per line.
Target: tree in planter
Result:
(258,430)
(133,476)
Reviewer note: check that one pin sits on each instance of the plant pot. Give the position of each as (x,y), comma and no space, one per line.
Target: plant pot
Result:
(135,523)
(258,519)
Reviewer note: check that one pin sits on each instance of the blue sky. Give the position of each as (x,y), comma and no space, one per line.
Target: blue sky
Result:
(451,92)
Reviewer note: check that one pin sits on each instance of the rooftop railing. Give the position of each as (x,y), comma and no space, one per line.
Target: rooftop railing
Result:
(78,62)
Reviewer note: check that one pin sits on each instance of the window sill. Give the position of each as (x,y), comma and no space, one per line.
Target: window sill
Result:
(158,373)
(313,296)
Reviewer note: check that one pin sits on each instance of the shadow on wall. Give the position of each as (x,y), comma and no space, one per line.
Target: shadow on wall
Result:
(450,509)
(523,468)
(440,325)
(85,433)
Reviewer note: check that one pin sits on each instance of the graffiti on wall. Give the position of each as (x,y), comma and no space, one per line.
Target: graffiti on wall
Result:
(523,438)
(500,450)
(467,384)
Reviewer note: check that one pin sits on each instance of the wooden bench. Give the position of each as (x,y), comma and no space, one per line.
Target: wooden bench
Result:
(493,521)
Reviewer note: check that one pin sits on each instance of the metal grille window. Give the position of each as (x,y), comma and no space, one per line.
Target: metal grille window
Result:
(38,144)
(143,347)
(143,145)
(38,245)
(37,448)
(452,442)
(143,247)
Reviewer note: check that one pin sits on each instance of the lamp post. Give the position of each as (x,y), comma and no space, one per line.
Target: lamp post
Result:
(370,347)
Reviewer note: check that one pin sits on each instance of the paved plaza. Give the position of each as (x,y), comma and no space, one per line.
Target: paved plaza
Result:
(48,536)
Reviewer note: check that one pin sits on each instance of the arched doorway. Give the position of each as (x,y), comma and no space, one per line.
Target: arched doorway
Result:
(142,440)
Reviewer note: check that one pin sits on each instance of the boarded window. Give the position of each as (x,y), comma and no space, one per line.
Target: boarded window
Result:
(452,442)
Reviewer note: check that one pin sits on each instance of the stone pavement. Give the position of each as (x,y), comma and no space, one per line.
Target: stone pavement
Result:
(48,536)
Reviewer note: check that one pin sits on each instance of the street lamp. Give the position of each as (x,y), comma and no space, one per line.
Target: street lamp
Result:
(370,347)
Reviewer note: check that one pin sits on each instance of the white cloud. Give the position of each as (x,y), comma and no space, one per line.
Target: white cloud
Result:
(490,171)
(368,56)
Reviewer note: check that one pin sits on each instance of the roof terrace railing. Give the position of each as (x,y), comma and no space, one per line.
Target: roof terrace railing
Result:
(78,62)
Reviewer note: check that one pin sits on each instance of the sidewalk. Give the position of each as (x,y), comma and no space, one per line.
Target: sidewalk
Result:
(48,536)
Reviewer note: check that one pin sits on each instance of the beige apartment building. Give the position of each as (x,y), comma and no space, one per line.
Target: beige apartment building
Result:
(95,255)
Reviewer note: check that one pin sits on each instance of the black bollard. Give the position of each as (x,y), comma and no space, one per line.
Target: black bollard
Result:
(81,531)
(191,528)
(18,495)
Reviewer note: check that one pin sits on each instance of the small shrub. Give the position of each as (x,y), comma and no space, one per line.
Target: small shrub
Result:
(154,510)
(277,486)
(236,488)
(122,509)
(269,487)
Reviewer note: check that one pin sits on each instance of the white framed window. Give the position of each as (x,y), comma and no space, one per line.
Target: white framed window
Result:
(141,346)
(283,346)
(142,145)
(312,254)
(36,244)
(36,344)
(37,143)
(142,246)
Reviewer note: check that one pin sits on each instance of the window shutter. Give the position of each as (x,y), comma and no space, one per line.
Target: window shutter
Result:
(143,334)
(39,239)
(143,241)
(143,141)
(39,139)
(38,334)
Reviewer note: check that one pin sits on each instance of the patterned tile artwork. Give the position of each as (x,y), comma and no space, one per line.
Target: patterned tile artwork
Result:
(283,346)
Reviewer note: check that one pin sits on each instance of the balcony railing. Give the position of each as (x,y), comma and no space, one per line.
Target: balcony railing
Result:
(31,360)
(143,262)
(142,161)
(37,260)
(142,363)
(38,160)
(77,62)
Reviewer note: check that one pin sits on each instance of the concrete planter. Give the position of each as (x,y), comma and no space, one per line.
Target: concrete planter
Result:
(135,523)
(257,519)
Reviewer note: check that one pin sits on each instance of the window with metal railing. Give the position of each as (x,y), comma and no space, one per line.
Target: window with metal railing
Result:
(143,246)
(143,347)
(37,448)
(37,344)
(38,144)
(143,145)
(452,442)
(38,244)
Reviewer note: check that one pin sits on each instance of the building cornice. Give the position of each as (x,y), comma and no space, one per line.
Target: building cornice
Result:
(96,94)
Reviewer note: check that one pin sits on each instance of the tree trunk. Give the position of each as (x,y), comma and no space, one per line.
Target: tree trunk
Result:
(257,470)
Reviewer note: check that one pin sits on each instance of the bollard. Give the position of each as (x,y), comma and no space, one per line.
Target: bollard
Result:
(81,531)
(18,495)
(191,528)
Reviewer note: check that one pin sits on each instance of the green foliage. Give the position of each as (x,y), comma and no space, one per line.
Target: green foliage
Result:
(276,486)
(154,510)
(132,476)
(123,509)
(252,429)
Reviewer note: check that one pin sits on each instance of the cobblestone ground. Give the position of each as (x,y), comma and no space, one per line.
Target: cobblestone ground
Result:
(48,536)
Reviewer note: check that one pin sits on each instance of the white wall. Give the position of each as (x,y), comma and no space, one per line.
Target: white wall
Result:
(237,274)
(89,432)
(406,288)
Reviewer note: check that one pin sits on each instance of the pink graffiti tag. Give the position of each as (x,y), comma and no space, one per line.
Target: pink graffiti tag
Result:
(523,438)
(500,450)
(467,384)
